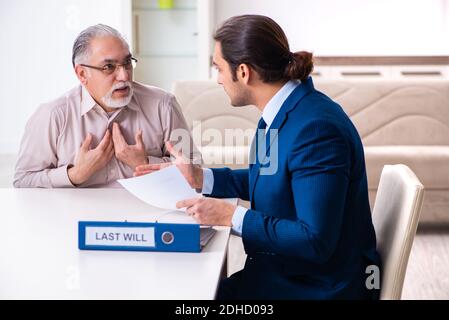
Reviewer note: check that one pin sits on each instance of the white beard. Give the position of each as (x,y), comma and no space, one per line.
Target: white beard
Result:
(113,103)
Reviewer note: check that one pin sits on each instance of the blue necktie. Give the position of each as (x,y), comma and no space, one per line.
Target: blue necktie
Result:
(262,125)
(254,144)
(254,156)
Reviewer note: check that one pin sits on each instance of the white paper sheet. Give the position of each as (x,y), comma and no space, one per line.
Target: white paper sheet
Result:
(161,189)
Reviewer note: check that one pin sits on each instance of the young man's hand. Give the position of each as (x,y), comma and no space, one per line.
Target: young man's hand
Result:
(209,211)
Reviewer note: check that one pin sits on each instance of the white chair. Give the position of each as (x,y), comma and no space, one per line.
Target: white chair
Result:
(395,217)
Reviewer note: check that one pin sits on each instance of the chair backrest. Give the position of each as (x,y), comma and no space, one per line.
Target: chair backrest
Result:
(395,218)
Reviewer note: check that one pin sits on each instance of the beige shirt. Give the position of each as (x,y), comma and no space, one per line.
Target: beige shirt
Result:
(55,132)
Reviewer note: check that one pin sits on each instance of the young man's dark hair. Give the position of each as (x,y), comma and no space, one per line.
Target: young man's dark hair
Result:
(259,42)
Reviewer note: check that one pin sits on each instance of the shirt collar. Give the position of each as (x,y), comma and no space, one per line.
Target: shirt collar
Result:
(274,105)
(87,102)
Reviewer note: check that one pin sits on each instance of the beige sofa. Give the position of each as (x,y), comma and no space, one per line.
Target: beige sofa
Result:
(399,122)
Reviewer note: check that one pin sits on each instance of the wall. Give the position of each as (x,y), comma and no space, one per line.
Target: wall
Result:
(36,41)
(354,27)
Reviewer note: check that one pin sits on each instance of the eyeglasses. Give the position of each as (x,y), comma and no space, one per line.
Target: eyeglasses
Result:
(110,68)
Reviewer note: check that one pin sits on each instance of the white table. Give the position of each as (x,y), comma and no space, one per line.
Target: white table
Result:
(39,256)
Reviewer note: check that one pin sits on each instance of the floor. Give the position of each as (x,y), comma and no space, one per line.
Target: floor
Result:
(427,274)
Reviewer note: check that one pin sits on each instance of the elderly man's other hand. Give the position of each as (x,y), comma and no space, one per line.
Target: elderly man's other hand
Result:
(88,161)
(131,155)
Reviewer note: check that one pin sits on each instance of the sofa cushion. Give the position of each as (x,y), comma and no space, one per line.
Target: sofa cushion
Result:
(210,116)
(429,163)
(394,112)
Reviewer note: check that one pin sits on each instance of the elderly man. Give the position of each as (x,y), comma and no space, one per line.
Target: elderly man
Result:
(102,129)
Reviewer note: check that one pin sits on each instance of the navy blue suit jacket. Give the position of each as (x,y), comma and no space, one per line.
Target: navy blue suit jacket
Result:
(309,233)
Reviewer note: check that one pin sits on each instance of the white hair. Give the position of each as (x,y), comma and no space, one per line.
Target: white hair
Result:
(80,52)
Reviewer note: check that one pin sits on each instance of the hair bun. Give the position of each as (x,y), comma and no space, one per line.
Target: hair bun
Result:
(300,65)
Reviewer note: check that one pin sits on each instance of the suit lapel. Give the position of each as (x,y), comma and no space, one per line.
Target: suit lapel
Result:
(289,104)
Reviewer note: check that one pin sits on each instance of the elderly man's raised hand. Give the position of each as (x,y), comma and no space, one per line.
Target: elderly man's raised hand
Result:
(88,161)
(131,155)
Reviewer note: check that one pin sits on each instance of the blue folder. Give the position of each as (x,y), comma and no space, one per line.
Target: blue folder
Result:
(137,236)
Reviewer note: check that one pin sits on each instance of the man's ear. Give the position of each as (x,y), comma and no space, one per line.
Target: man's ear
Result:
(81,73)
(244,73)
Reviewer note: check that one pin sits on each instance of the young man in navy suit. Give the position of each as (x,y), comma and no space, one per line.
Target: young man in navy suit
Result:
(308,234)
